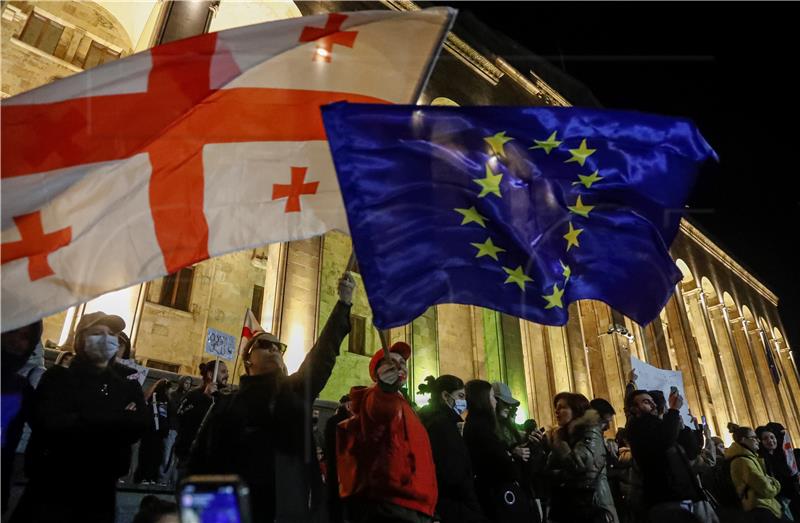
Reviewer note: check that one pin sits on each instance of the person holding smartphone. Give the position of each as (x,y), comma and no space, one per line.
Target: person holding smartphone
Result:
(262,432)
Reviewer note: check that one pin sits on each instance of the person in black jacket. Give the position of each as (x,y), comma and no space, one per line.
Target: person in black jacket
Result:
(263,431)
(343,411)
(457,502)
(497,475)
(17,347)
(669,484)
(96,414)
(194,407)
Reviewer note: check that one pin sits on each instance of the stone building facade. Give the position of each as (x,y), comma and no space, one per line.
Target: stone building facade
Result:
(721,327)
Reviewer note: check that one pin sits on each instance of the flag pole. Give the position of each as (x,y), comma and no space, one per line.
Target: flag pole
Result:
(236,361)
(384,334)
(216,370)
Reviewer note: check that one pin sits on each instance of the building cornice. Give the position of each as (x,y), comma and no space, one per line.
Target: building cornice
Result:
(709,246)
(491,72)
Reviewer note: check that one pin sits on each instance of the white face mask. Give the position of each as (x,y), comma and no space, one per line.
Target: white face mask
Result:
(460,406)
(100,348)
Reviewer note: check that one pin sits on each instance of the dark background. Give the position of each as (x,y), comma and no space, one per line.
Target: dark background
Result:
(731,68)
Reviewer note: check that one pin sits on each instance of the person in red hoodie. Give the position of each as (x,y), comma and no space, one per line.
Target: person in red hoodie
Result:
(384,458)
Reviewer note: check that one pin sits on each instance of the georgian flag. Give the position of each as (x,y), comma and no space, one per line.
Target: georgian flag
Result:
(193,149)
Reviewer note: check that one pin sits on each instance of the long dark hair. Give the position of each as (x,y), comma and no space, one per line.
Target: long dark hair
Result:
(209,367)
(478,399)
(444,383)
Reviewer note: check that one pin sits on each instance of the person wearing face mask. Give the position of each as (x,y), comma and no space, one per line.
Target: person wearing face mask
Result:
(91,410)
(17,347)
(263,431)
(386,470)
(457,499)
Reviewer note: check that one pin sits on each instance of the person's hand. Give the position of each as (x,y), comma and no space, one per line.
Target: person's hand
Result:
(707,431)
(347,285)
(388,374)
(523,453)
(632,377)
(675,400)
(536,437)
(130,407)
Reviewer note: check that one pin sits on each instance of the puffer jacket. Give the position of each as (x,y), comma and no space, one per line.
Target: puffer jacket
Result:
(579,462)
(754,486)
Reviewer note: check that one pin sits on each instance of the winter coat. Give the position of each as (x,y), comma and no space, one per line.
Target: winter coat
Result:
(383,453)
(497,474)
(82,433)
(262,432)
(191,412)
(457,499)
(667,475)
(754,486)
(579,462)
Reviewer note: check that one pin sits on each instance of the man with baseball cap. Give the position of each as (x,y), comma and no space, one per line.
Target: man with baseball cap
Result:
(94,413)
(384,456)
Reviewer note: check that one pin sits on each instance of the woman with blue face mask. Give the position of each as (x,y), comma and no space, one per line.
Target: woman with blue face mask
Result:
(442,418)
(96,414)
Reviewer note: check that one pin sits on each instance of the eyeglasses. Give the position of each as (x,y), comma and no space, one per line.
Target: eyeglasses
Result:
(267,346)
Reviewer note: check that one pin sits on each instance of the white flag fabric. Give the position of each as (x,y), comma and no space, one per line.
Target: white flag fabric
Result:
(134,169)
(250,328)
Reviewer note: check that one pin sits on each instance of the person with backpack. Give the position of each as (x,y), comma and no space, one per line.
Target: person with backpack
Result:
(756,489)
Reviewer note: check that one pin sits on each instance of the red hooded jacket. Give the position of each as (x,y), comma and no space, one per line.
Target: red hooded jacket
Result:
(383,452)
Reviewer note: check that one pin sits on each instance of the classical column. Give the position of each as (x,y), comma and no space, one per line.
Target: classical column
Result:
(767,389)
(577,351)
(300,299)
(741,402)
(752,381)
(686,353)
(538,371)
(695,309)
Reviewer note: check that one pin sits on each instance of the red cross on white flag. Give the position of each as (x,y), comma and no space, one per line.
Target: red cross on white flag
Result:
(189,150)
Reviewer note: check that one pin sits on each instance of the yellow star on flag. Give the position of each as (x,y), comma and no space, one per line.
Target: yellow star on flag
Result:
(548,145)
(497,143)
(472,215)
(487,248)
(517,276)
(580,209)
(567,271)
(587,181)
(580,154)
(572,237)
(490,183)
(554,300)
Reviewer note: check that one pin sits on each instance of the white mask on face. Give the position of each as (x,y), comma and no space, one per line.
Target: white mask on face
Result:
(100,348)
(460,406)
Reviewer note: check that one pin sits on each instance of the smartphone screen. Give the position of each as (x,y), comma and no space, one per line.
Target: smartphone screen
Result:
(211,502)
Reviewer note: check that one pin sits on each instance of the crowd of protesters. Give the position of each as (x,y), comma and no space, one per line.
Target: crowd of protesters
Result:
(461,458)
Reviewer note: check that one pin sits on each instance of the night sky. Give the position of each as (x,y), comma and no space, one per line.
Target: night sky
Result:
(729,67)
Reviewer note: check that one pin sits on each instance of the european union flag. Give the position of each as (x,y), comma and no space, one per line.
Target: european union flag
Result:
(518,209)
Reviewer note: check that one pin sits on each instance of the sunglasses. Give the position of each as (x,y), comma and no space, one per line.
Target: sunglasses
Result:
(267,346)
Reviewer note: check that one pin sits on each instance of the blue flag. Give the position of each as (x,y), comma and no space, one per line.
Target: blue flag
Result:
(518,209)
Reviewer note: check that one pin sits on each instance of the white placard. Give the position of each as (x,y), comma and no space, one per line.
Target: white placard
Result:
(141,370)
(220,345)
(653,378)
